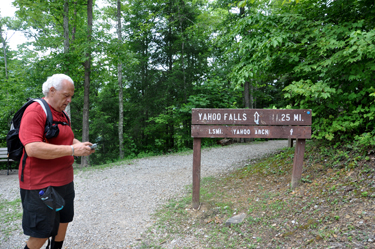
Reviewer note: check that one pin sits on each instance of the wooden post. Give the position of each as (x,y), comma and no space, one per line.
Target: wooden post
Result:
(196,171)
(299,152)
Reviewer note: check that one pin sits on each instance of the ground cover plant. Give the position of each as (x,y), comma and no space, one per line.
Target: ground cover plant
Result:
(332,208)
(10,215)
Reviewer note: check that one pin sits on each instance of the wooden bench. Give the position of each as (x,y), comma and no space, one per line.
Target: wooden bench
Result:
(4,157)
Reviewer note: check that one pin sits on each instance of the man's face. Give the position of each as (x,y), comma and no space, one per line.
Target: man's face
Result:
(61,98)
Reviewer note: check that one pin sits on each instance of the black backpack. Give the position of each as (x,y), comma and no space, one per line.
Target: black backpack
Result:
(14,145)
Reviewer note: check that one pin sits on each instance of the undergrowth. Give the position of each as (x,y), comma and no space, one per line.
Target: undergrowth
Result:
(333,207)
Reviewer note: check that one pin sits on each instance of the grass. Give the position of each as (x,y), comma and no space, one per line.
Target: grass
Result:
(10,213)
(333,206)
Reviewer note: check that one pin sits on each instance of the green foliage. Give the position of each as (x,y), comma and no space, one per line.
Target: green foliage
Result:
(321,58)
(339,93)
(179,55)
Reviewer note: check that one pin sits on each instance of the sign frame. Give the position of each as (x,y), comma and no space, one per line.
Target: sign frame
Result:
(250,123)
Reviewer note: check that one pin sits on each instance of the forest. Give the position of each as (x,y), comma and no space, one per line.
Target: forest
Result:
(140,67)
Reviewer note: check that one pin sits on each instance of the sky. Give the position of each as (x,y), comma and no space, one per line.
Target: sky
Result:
(13,38)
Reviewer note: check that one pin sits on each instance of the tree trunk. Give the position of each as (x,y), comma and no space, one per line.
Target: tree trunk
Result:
(66,26)
(66,45)
(246,86)
(251,96)
(5,52)
(120,94)
(242,11)
(75,23)
(182,55)
(246,94)
(87,65)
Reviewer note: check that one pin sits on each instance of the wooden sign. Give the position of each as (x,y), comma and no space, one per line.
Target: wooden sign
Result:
(251,116)
(249,123)
(251,131)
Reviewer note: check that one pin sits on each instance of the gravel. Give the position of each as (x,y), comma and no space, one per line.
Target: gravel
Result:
(113,206)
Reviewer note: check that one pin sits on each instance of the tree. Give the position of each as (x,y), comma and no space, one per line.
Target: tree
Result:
(318,52)
(87,65)
(48,23)
(66,41)
(120,95)
(4,22)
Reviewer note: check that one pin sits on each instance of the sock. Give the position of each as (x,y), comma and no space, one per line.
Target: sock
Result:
(26,247)
(56,244)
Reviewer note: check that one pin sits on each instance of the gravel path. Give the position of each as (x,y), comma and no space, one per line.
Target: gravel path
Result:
(113,205)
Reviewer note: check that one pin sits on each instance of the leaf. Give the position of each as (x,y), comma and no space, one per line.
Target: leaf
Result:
(241,4)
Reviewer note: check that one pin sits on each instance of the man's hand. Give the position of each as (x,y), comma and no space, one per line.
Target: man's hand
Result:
(82,149)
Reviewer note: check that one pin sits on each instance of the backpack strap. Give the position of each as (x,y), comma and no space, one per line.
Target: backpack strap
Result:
(23,164)
(49,121)
(8,165)
(63,123)
(47,110)
(44,105)
(67,118)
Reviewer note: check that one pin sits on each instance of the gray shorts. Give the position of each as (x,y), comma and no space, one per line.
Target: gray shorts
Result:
(38,219)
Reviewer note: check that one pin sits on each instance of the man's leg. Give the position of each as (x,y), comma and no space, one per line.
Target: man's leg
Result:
(35,243)
(58,240)
(62,231)
(36,218)
(66,214)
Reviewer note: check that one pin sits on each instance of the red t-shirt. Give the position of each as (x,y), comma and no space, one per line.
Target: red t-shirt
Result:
(41,173)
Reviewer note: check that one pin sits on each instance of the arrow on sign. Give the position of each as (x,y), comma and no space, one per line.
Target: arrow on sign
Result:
(256,117)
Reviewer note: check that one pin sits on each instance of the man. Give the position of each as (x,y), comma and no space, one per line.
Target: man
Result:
(49,162)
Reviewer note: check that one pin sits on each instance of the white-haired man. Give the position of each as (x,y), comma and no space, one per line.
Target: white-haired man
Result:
(49,162)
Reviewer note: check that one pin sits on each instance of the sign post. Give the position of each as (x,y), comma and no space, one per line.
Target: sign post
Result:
(250,123)
(196,171)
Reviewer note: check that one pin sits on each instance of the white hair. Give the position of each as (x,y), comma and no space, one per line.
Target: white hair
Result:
(55,81)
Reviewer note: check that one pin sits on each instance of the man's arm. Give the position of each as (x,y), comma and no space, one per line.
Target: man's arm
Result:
(51,151)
